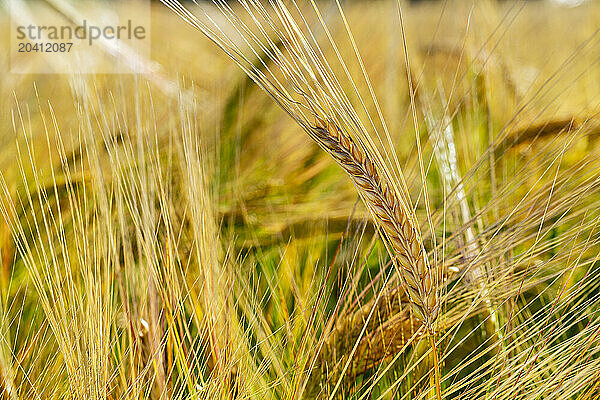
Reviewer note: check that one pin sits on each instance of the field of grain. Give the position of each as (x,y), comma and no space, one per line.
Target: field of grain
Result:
(388,200)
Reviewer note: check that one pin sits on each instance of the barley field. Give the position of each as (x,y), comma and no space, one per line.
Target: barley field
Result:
(297,199)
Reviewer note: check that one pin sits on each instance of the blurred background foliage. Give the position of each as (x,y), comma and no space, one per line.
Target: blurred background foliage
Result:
(519,78)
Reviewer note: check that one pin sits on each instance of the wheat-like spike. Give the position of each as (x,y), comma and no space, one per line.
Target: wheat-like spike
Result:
(417,277)
(309,88)
(388,331)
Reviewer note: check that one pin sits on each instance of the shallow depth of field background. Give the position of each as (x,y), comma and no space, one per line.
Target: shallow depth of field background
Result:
(220,225)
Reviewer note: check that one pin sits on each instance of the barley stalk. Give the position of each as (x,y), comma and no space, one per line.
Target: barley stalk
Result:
(388,331)
(309,76)
(417,276)
(310,90)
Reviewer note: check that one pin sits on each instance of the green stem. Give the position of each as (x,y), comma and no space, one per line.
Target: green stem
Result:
(436,368)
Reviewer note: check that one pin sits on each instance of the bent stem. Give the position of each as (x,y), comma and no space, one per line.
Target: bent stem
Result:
(436,368)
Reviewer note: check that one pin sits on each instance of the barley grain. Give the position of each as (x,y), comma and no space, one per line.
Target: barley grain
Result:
(417,276)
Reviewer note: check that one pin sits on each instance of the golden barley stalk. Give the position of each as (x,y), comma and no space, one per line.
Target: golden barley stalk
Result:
(394,219)
(306,75)
(389,330)
(417,277)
